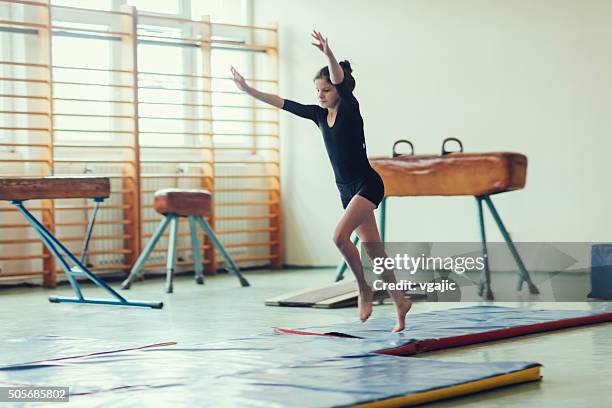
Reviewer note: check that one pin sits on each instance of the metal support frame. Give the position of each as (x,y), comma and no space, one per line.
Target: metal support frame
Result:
(485,277)
(522,272)
(173,220)
(79,269)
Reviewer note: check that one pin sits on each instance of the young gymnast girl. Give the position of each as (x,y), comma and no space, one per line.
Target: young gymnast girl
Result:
(361,188)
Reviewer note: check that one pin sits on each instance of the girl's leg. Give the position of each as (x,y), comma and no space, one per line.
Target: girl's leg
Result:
(369,236)
(357,211)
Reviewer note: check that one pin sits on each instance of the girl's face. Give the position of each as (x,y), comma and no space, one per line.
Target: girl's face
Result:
(326,93)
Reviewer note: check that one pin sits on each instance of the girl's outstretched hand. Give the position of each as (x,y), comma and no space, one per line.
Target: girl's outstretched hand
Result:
(321,42)
(239,80)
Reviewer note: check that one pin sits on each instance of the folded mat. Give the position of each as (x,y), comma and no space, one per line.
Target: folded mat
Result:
(266,370)
(455,327)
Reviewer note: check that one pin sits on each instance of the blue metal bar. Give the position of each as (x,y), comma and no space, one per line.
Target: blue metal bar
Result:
(89,231)
(153,305)
(382,221)
(48,241)
(228,260)
(484,287)
(523,274)
(142,258)
(55,246)
(196,251)
(342,266)
(171,259)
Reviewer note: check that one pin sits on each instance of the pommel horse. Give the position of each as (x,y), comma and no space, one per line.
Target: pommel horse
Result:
(18,190)
(455,174)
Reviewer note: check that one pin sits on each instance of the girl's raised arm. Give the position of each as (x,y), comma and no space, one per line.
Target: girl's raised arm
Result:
(270,99)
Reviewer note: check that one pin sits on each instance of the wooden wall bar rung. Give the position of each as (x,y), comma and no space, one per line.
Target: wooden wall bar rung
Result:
(86,10)
(25,113)
(91,161)
(178,147)
(100,222)
(169,39)
(81,146)
(246,203)
(28,80)
(252,176)
(175,118)
(92,100)
(250,148)
(89,115)
(90,30)
(247,217)
(171,161)
(31,129)
(23,24)
(251,244)
(9,274)
(25,144)
(89,207)
(176,133)
(111,267)
(13,96)
(272,81)
(178,263)
(178,248)
(97,237)
(23,257)
(116,132)
(104,252)
(255,258)
(47,161)
(91,84)
(251,135)
(120,71)
(224,190)
(20,241)
(238,231)
(246,161)
(26,3)
(31,209)
(171,176)
(24,64)
(252,27)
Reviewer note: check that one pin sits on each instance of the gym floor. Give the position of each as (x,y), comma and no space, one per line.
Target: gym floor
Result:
(221,309)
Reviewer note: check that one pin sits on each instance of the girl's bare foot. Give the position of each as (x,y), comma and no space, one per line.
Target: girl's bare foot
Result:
(401,309)
(365,303)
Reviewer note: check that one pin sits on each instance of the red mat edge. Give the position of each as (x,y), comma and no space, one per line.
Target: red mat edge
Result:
(423,346)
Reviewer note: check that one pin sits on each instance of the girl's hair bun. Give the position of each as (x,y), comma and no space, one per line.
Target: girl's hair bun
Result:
(346,66)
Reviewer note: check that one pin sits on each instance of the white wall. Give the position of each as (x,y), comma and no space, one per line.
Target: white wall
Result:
(502,75)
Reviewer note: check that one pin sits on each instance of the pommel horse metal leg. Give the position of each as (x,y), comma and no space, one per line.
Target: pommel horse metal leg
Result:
(484,287)
(231,266)
(523,273)
(61,252)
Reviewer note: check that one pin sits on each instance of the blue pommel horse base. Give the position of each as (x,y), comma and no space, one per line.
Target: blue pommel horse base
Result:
(18,190)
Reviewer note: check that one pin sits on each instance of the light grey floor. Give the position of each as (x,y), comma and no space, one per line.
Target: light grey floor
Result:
(577,362)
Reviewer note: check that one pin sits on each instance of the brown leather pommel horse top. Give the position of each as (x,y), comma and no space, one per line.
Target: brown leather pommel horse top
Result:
(30,188)
(452,174)
(183,202)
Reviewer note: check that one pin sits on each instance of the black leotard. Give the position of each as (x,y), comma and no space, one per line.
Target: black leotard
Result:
(345,144)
